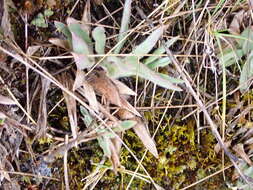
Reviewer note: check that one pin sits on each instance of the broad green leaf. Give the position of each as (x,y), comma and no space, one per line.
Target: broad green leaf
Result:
(81,60)
(104,143)
(125,125)
(40,21)
(98,35)
(79,46)
(63,29)
(75,28)
(48,13)
(159,51)
(117,68)
(124,25)
(248,171)
(162,62)
(172,79)
(148,44)
(247,45)
(231,57)
(144,72)
(247,73)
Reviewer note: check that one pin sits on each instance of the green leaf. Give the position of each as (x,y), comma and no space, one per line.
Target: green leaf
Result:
(104,143)
(162,62)
(247,73)
(63,29)
(99,36)
(117,68)
(81,60)
(231,57)
(75,28)
(172,79)
(124,25)
(48,13)
(159,51)
(79,46)
(40,21)
(125,125)
(86,116)
(2,121)
(148,44)
(144,72)
(247,44)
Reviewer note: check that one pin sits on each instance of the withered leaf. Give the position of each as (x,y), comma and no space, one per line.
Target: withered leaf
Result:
(105,87)
(88,92)
(98,2)
(85,89)
(123,89)
(60,43)
(117,143)
(114,156)
(234,27)
(32,50)
(66,80)
(125,104)
(42,117)
(142,133)
(80,78)
(5,25)
(6,101)
(86,18)
(125,114)
(239,149)
(217,147)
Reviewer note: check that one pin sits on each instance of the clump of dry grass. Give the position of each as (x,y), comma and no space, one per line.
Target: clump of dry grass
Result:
(108,81)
